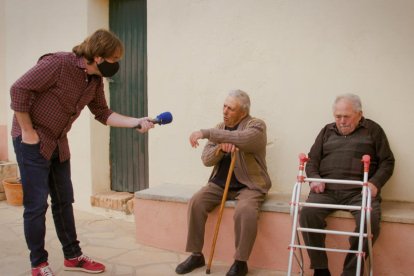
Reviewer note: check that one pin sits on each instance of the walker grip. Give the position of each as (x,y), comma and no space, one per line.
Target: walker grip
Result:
(303,158)
(366,159)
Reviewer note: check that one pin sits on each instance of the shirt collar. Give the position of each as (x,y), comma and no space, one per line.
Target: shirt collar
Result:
(80,62)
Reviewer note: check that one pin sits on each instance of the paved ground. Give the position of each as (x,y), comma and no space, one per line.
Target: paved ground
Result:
(109,240)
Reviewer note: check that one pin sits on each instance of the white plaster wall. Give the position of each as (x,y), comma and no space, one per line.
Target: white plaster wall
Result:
(98,17)
(3,88)
(34,28)
(293,57)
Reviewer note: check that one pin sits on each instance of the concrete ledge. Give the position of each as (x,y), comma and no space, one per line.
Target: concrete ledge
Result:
(182,193)
(161,221)
(392,211)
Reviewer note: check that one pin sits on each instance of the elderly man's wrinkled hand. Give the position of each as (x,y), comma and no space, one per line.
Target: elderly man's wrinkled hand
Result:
(227,147)
(317,187)
(194,137)
(373,188)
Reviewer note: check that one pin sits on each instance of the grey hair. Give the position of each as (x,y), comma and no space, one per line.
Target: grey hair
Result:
(354,99)
(243,98)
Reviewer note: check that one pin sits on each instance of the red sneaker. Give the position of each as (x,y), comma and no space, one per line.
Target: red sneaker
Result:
(83,263)
(42,270)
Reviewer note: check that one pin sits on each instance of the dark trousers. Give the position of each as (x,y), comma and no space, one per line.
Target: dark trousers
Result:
(246,215)
(41,178)
(316,218)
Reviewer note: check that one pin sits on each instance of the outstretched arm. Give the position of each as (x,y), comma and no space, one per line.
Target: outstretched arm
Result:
(118,120)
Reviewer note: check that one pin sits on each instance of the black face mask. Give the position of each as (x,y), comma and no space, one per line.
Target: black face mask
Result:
(108,69)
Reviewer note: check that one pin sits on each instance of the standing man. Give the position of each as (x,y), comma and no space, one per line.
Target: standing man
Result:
(249,185)
(337,154)
(46,101)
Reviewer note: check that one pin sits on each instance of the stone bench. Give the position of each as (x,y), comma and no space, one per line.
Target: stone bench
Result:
(161,221)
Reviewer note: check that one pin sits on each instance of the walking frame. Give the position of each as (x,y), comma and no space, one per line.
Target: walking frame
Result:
(365,208)
(220,215)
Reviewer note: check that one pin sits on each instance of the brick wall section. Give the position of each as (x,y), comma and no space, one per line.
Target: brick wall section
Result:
(7,169)
(118,201)
(3,142)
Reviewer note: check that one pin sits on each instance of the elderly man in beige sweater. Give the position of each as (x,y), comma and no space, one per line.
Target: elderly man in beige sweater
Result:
(250,182)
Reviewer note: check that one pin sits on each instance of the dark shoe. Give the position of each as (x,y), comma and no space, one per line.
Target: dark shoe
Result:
(191,263)
(322,272)
(239,268)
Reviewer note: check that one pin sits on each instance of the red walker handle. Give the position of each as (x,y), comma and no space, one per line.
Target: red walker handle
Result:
(303,158)
(366,159)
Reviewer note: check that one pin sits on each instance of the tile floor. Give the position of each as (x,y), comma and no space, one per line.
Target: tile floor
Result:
(109,240)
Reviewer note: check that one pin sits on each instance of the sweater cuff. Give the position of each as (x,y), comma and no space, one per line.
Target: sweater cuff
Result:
(206,133)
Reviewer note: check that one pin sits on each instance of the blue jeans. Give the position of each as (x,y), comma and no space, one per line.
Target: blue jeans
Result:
(41,178)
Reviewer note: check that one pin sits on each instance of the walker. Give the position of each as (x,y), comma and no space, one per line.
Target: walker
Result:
(365,208)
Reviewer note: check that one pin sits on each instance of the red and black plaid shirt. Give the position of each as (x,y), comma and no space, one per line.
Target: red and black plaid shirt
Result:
(54,92)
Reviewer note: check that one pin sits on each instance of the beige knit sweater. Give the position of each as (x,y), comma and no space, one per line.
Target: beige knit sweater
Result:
(250,138)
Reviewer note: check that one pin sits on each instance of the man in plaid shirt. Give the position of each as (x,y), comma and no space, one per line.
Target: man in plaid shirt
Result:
(46,101)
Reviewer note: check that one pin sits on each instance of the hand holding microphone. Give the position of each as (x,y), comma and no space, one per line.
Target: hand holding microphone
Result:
(162,119)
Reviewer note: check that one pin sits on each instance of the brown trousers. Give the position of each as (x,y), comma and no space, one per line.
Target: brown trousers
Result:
(246,215)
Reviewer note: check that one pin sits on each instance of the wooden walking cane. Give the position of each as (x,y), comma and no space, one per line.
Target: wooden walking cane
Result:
(223,201)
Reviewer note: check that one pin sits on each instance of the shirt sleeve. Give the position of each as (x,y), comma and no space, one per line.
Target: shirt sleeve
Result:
(211,156)
(384,157)
(315,156)
(249,139)
(37,80)
(99,107)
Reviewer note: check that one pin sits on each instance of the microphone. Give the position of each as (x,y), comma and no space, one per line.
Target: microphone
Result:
(162,119)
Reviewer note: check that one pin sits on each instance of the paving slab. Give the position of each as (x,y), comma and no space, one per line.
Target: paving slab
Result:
(106,239)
